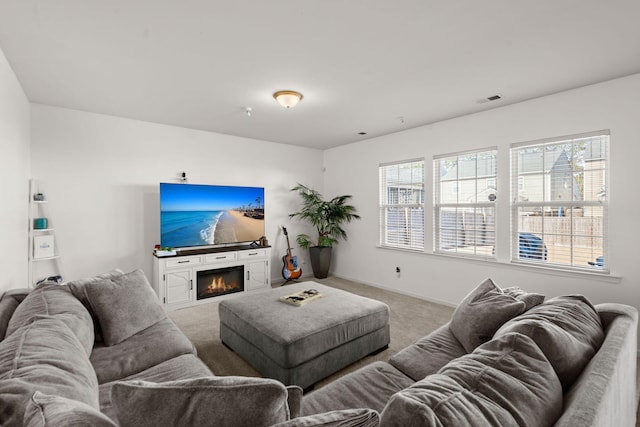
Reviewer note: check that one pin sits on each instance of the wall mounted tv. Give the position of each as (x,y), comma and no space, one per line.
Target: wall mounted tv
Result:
(194,215)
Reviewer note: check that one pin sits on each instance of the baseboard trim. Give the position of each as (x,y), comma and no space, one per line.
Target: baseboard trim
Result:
(397,291)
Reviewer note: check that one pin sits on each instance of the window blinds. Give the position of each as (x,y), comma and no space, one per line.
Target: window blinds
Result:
(465,191)
(402,204)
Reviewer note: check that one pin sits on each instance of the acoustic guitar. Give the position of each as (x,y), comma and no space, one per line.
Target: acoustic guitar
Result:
(290,270)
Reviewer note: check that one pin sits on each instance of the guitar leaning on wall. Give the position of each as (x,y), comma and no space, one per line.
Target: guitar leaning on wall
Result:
(290,270)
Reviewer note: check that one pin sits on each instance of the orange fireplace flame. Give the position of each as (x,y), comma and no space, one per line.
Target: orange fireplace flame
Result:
(218,284)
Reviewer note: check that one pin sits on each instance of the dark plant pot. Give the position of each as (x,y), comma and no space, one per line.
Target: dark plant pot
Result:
(320,261)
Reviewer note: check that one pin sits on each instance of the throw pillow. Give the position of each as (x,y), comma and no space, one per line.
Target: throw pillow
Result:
(567,329)
(225,401)
(482,312)
(507,382)
(124,305)
(77,288)
(342,418)
(54,411)
(530,300)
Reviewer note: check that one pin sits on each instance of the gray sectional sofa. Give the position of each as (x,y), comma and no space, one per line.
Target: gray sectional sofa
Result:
(101,352)
(506,358)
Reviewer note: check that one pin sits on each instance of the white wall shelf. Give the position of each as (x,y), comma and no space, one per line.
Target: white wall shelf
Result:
(44,255)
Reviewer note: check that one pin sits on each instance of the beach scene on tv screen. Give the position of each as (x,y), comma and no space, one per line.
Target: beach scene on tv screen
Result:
(200,215)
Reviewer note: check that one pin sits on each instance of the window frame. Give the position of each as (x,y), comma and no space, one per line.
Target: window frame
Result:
(439,205)
(517,179)
(414,244)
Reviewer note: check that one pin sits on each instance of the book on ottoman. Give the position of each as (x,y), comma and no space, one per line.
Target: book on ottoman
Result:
(302,297)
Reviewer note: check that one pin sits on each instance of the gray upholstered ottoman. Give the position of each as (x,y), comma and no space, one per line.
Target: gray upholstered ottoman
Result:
(302,345)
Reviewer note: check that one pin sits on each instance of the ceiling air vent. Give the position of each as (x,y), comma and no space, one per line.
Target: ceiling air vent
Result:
(489,99)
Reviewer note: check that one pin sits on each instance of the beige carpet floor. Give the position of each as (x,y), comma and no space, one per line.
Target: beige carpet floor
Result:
(411,319)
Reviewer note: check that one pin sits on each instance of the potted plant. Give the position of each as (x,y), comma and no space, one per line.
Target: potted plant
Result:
(327,217)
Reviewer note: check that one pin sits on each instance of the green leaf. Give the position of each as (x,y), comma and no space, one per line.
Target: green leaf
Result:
(326,217)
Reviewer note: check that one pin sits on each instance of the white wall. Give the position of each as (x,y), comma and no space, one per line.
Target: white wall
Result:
(611,105)
(101,174)
(14,176)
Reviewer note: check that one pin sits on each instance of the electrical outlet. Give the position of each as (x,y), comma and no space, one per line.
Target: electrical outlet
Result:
(397,271)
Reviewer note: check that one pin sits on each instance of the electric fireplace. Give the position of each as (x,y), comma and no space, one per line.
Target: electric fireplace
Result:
(220,281)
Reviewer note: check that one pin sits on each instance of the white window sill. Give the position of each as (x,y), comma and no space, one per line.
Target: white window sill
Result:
(540,269)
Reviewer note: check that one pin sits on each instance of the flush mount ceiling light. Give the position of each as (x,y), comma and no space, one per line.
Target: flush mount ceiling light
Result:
(288,98)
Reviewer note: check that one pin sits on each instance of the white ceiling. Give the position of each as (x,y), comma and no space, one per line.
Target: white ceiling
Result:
(361,64)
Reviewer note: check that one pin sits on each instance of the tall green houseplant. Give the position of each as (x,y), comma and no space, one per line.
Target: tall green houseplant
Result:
(327,217)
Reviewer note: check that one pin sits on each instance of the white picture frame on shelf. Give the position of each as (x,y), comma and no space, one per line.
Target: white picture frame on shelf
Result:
(43,247)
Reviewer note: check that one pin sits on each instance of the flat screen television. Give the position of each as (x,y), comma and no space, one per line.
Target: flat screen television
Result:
(194,216)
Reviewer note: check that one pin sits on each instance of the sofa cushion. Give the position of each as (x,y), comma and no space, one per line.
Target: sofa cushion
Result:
(230,401)
(507,382)
(137,305)
(78,289)
(55,411)
(429,354)
(9,301)
(141,351)
(44,355)
(568,331)
(369,387)
(55,300)
(294,400)
(483,311)
(345,418)
(178,368)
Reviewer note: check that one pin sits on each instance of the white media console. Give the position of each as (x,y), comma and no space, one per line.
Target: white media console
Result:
(198,276)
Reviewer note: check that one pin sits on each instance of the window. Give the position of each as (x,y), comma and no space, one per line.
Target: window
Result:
(560,202)
(402,205)
(464,203)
